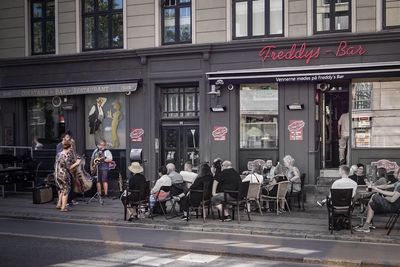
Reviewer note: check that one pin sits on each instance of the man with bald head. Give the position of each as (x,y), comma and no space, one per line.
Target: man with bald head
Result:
(176,178)
(228,180)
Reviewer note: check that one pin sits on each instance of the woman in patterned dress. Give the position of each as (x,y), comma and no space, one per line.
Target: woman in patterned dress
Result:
(65,162)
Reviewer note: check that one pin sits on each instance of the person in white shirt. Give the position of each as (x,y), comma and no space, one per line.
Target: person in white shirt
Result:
(343,183)
(343,135)
(164,180)
(188,175)
(255,175)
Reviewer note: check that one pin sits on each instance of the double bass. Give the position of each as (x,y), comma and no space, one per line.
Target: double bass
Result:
(83,181)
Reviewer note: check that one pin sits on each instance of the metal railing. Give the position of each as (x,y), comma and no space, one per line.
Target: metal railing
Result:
(14,149)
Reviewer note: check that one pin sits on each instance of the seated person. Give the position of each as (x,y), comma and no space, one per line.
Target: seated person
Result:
(359,176)
(268,171)
(188,175)
(381,177)
(272,188)
(229,179)
(292,174)
(164,180)
(383,202)
(194,198)
(343,183)
(176,178)
(137,181)
(255,175)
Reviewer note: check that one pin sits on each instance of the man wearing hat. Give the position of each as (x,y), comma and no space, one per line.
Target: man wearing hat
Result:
(137,181)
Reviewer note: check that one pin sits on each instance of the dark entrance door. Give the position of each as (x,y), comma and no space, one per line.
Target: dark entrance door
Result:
(180,143)
(333,103)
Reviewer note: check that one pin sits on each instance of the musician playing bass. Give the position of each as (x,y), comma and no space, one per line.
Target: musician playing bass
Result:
(100,165)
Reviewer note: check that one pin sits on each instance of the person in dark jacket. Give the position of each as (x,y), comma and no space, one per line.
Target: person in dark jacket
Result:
(194,198)
(137,181)
(359,176)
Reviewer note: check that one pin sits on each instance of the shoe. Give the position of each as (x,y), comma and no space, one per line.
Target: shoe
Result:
(226,219)
(133,218)
(185,218)
(74,202)
(342,162)
(176,198)
(320,203)
(371,226)
(363,229)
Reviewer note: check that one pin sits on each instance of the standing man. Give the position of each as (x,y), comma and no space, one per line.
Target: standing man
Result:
(102,158)
(343,135)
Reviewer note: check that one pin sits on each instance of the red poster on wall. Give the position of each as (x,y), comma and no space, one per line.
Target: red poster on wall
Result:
(219,133)
(136,134)
(295,128)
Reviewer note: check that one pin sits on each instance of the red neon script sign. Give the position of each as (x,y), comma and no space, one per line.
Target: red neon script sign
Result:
(270,52)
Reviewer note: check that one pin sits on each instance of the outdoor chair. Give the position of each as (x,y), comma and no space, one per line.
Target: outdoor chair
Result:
(161,202)
(135,199)
(282,191)
(205,201)
(340,207)
(253,195)
(299,196)
(239,203)
(176,190)
(392,221)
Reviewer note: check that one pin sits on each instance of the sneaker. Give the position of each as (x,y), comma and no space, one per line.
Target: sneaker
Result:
(371,226)
(185,218)
(74,202)
(363,229)
(320,203)
(176,198)
(226,219)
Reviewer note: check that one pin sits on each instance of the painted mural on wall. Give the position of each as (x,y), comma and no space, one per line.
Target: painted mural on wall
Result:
(105,120)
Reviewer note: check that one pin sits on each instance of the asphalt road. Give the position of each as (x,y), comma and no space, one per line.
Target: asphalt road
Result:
(271,248)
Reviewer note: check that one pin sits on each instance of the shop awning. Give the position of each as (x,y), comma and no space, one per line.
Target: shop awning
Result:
(319,73)
(70,90)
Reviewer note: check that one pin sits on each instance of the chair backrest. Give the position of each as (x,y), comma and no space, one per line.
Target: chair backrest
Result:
(341,197)
(243,189)
(254,191)
(283,188)
(303,180)
(165,188)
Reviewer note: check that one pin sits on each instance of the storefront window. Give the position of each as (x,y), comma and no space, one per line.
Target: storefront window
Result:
(376,114)
(259,116)
(45,122)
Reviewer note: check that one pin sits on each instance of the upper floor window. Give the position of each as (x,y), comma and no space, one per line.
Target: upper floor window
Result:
(102,24)
(257,18)
(391,14)
(180,102)
(176,21)
(42,27)
(332,16)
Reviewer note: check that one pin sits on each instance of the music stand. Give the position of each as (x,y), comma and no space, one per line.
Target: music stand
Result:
(97,196)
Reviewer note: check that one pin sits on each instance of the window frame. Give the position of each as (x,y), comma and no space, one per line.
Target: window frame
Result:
(332,17)
(384,18)
(95,14)
(43,21)
(267,25)
(178,5)
(182,90)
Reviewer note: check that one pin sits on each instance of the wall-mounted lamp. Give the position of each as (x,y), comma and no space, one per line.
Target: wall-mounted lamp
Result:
(218,108)
(295,106)
(215,91)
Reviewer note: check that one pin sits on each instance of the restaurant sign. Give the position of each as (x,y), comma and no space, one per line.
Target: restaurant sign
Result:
(307,54)
(69,90)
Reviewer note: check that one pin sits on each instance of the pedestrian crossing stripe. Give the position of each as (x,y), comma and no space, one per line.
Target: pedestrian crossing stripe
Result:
(274,248)
(198,258)
(294,250)
(152,261)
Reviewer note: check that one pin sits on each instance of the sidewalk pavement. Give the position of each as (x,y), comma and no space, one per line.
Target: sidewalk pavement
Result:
(312,223)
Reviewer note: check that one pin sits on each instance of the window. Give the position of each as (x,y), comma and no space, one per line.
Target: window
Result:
(375,114)
(180,102)
(102,24)
(42,27)
(257,18)
(176,21)
(259,116)
(45,122)
(332,16)
(391,14)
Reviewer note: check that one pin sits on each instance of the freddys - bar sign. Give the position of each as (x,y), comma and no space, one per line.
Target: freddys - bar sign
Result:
(303,52)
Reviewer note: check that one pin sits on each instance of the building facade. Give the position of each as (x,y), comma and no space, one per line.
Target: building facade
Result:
(192,80)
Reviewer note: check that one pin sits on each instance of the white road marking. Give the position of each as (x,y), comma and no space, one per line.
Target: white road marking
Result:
(152,261)
(250,245)
(212,241)
(198,258)
(294,250)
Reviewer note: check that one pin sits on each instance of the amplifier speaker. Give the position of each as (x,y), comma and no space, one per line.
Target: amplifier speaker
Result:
(42,195)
